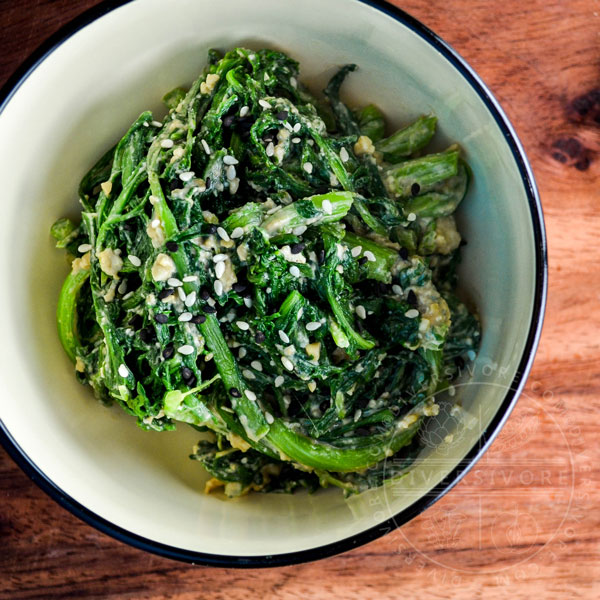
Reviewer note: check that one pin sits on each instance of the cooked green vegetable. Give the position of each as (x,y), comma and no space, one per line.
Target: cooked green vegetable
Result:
(253,266)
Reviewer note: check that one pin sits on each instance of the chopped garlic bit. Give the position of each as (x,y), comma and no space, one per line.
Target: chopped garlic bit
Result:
(110,262)
(206,87)
(163,267)
(81,264)
(106,187)
(364,145)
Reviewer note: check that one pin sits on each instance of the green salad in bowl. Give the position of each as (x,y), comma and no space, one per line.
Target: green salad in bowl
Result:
(269,267)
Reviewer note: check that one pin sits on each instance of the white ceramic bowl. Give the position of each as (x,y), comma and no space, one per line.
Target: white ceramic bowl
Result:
(73,99)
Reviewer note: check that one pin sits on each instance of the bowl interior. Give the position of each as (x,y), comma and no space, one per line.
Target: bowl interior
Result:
(76,104)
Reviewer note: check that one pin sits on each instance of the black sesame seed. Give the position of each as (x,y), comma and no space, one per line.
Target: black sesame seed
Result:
(282,116)
(415,188)
(211,310)
(136,322)
(239,287)
(172,246)
(187,373)
(165,293)
(260,337)
(403,253)
(235,393)
(245,123)
(297,248)
(383,288)
(198,319)
(212,229)
(168,351)
(411,298)
(321,257)
(363,261)
(161,318)
(147,334)
(228,120)
(204,294)
(207,184)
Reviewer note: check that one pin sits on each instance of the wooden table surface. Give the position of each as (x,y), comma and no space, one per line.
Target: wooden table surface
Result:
(525,523)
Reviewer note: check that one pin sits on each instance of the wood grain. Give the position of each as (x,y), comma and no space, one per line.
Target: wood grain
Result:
(526,521)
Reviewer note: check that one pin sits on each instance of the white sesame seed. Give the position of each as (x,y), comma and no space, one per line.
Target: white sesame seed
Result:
(134,260)
(219,270)
(370,256)
(181,294)
(396,289)
(242,353)
(155,223)
(411,313)
(167,143)
(185,349)
(295,271)
(243,326)
(313,326)
(206,146)
(356,251)
(296,140)
(209,357)
(344,155)
(122,287)
(326,206)
(299,230)
(123,371)
(248,302)
(255,364)
(287,363)
(297,127)
(186,175)
(156,123)
(269,418)
(230,172)
(218,286)
(234,185)
(361,312)
(154,200)
(223,234)
(238,232)
(308,167)
(340,269)
(270,149)
(217,258)
(279,380)
(190,278)
(248,374)
(411,217)
(244,111)
(283,336)
(264,103)
(127,295)
(250,395)
(83,248)
(185,316)
(174,282)
(290,350)
(191,298)
(230,160)
(293,82)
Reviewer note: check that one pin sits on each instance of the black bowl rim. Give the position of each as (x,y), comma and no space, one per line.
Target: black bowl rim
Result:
(444,486)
